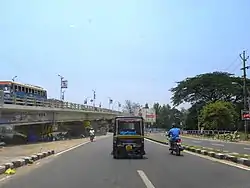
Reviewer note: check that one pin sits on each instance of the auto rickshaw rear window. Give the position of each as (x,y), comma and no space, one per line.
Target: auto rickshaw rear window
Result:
(129,127)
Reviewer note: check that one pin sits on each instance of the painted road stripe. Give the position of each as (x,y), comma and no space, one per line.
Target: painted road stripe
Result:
(247,148)
(217,144)
(196,141)
(145,179)
(79,145)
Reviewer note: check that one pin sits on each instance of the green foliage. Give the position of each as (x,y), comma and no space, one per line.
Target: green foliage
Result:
(218,115)
(208,87)
(166,116)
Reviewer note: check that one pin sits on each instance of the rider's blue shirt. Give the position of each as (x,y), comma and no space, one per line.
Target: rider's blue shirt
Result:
(174,133)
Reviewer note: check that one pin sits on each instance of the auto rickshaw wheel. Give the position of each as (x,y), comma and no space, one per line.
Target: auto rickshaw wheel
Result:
(140,156)
(116,154)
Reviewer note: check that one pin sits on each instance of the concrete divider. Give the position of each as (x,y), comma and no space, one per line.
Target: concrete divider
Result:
(29,159)
(214,154)
(25,161)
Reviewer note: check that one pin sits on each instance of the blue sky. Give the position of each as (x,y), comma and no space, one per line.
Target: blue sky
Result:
(126,49)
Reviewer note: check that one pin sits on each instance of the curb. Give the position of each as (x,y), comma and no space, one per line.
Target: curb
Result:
(211,139)
(221,156)
(25,161)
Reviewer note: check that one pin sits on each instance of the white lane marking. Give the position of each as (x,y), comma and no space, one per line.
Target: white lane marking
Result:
(4,178)
(74,147)
(242,167)
(145,179)
(79,145)
(247,148)
(196,141)
(217,144)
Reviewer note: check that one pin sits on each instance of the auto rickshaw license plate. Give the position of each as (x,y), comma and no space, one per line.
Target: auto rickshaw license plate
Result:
(128,147)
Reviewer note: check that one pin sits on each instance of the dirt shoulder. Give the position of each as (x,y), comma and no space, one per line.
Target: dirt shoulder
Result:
(13,152)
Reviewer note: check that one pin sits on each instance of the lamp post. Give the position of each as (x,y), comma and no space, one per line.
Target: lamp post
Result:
(63,95)
(61,91)
(110,101)
(64,85)
(13,79)
(86,100)
(118,104)
(94,97)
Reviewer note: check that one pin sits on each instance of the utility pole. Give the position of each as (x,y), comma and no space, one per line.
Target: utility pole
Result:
(63,85)
(244,68)
(61,88)
(94,97)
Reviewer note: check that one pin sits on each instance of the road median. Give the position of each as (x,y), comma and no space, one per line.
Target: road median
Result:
(218,154)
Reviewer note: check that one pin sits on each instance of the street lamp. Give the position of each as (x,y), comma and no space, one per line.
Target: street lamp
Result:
(13,79)
(63,95)
(245,104)
(61,91)
(86,100)
(64,85)
(118,104)
(94,97)
(110,101)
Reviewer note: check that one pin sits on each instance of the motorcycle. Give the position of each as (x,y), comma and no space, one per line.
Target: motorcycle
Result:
(176,147)
(92,138)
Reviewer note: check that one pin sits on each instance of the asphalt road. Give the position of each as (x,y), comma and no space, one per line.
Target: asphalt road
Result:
(92,166)
(227,146)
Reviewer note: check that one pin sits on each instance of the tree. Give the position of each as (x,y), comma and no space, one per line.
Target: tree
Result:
(208,87)
(166,115)
(184,115)
(218,115)
(131,107)
(157,107)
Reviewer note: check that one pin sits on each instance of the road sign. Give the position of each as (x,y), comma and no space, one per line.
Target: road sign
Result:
(245,115)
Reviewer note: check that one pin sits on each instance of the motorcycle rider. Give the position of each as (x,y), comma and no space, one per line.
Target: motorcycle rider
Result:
(91,132)
(173,134)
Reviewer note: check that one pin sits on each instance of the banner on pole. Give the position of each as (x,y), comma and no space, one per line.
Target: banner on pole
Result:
(64,84)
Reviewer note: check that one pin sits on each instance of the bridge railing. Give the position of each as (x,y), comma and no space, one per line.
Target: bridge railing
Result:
(29,101)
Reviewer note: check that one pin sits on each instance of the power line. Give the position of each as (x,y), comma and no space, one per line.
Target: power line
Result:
(232,64)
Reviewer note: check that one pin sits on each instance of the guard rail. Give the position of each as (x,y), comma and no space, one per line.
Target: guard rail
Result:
(51,104)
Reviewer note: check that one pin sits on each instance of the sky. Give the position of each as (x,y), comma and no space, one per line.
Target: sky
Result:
(126,50)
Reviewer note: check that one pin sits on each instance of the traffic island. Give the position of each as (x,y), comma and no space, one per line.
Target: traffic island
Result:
(232,157)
